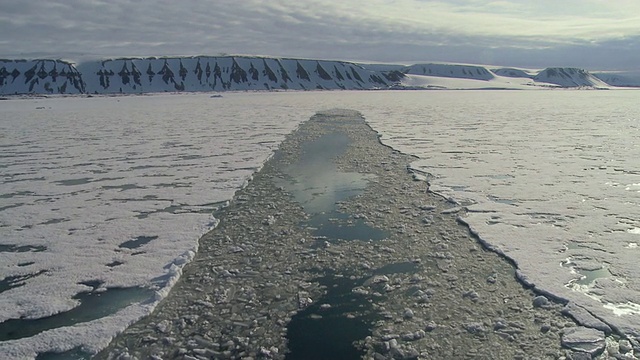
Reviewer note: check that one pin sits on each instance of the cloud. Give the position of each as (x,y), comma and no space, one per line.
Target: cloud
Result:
(376,30)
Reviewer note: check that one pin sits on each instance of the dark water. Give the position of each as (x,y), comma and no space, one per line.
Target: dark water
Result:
(72,182)
(15,281)
(336,226)
(137,242)
(314,180)
(23,248)
(331,335)
(397,268)
(588,276)
(317,184)
(93,305)
(328,328)
(73,354)
(318,332)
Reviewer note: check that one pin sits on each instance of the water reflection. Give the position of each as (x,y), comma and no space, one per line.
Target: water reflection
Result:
(317,185)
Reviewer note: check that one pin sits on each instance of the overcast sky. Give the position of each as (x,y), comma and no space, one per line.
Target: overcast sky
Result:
(593,34)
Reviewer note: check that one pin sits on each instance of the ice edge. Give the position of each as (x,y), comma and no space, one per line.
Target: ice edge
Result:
(521,277)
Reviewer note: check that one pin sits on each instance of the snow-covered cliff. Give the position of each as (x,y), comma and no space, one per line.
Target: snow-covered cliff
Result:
(138,75)
(451,71)
(40,77)
(239,73)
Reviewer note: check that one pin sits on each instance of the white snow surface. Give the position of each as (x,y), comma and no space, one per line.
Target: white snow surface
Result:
(453,83)
(550,180)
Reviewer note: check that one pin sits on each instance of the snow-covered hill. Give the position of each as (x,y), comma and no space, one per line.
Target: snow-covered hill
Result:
(450,76)
(444,83)
(569,77)
(228,73)
(39,77)
(617,78)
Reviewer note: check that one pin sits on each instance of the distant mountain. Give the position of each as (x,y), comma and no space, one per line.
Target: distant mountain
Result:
(229,73)
(456,76)
(569,77)
(562,77)
(39,77)
(619,78)
(241,73)
(513,73)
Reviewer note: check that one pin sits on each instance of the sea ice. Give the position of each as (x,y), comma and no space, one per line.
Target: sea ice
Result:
(535,171)
(115,191)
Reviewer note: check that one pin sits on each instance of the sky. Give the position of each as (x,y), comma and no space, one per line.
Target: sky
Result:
(591,34)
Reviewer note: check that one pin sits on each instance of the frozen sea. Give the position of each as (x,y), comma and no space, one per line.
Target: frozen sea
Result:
(113,192)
